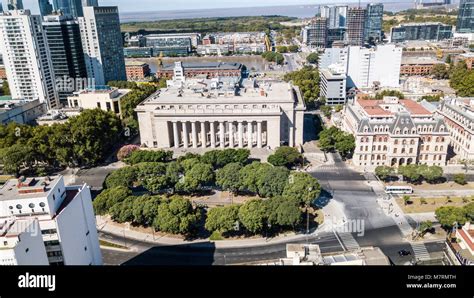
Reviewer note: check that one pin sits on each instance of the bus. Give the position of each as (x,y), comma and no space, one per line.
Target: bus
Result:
(399,189)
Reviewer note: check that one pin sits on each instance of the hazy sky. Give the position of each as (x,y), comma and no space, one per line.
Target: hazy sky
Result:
(154,5)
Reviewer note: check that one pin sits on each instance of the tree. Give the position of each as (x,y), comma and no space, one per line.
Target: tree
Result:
(220,158)
(250,174)
(313,58)
(5,88)
(460,179)
(122,177)
(469,211)
(425,227)
(123,211)
(272,181)
(440,71)
(384,93)
(126,151)
(282,49)
(447,216)
(307,79)
(302,187)
(139,156)
(222,219)
(406,200)
(286,156)
(338,108)
(283,212)
(176,217)
(252,215)
(327,111)
(410,172)
(200,175)
(108,198)
(384,172)
(430,174)
(15,158)
(345,144)
(293,48)
(228,178)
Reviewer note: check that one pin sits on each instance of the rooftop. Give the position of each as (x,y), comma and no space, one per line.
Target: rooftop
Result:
(27,188)
(135,63)
(10,228)
(206,65)
(420,61)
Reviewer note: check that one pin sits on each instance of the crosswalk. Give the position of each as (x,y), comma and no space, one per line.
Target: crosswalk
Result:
(420,251)
(348,241)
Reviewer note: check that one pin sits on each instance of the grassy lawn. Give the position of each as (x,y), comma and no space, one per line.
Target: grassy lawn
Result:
(421,205)
(109,244)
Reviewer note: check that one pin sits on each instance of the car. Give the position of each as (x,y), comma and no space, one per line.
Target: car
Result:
(404,252)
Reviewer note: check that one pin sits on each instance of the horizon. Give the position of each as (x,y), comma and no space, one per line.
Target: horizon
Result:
(182,5)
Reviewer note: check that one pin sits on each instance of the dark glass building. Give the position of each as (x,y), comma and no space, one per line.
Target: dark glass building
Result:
(315,34)
(69,7)
(65,45)
(421,31)
(356,19)
(465,22)
(45,7)
(336,34)
(373,26)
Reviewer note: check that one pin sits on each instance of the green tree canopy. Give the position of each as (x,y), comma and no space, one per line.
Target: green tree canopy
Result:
(307,79)
(228,178)
(313,58)
(252,215)
(222,219)
(302,188)
(286,156)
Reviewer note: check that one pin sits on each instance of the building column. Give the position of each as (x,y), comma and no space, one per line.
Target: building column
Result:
(185,134)
(259,134)
(175,134)
(231,134)
(249,135)
(203,135)
(213,134)
(291,141)
(241,135)
(194,134)
(222,134)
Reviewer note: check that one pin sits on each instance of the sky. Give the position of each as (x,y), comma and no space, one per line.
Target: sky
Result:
(156,5)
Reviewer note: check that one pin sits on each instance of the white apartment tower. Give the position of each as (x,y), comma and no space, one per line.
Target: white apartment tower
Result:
(27,58)
(43,222)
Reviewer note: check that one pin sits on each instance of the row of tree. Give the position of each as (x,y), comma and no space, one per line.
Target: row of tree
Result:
(84,140)
(334,139)
(462,79)
(286,49)
(449,215)
(273,57)
(307,79)
(412,173)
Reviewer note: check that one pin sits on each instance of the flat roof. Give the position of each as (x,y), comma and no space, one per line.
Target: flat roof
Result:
(206,65)
(28,188)
(135,63)
(420,61)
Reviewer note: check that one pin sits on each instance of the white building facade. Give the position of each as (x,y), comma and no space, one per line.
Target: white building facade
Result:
(27,57)
(105,98)
(366,67)
(66,219)
(208,115)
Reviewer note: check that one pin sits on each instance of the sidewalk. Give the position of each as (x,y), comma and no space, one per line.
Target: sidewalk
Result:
(104,225)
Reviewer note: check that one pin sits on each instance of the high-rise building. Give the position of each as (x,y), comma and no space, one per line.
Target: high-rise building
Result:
(45,222)
(45,7)
(1,7)
(90,3)
(27,58)
(333,85)
(103,45)
(336,15)
(315,34)
(421,31)
(465,22)
(373,26)
(69,7)
(65,44)
(15,4)
(356,19)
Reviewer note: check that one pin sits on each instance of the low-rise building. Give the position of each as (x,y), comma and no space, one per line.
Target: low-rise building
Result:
(20,111)
(137,71)
(208,70)
(333,86)
(458,115)
(468,58)
(66,220)
(102,97)
(222,113)
(461,247)
(395,132)
(138,52)
(421,31)
(419,66)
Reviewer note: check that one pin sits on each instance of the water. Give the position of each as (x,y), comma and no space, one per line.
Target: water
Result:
(299,11)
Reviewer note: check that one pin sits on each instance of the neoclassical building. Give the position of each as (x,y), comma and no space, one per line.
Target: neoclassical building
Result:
(458,114)
(222,113)
(394,132)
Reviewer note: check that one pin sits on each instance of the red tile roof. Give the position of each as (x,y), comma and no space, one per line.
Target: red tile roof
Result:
(414,107)
(466,238)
